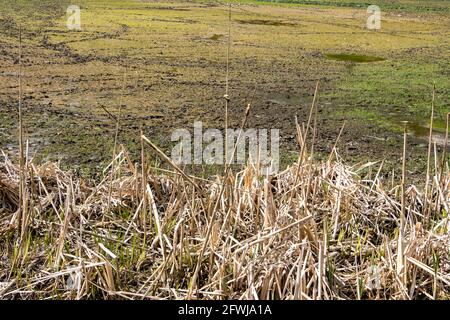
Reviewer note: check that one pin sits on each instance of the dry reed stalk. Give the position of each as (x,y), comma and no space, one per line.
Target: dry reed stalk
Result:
(313,140)
(227,74)
(333,150)
(444,151)
(430,137)
(21,217)
(157,220)
(64,226)
(143,187)
(116,136)
(169,161)
(303,139)
(401,272)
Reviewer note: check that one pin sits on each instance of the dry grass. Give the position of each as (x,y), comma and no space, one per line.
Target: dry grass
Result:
(317,230)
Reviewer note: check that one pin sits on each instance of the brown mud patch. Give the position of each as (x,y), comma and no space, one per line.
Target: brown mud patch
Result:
(264,22)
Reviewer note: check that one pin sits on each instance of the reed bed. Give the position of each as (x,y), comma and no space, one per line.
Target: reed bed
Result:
(316,230)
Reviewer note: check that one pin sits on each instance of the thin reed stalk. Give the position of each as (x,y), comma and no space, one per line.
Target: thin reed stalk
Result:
(430,139)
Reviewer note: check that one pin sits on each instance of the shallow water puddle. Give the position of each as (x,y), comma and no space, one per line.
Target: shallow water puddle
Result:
(216,37)
(293,100)
(420,128)
(423,132)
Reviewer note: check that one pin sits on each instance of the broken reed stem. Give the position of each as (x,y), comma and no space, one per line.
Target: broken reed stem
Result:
(427,179)
(301,221)
(166,158)
(336,142)
(244,122)
(303,150)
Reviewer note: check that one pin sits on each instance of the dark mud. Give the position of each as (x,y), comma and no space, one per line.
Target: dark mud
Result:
(358,58)
(263,22)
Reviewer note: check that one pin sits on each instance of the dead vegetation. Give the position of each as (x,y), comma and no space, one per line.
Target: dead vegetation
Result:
(317,230)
